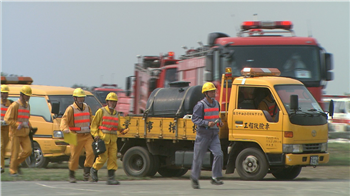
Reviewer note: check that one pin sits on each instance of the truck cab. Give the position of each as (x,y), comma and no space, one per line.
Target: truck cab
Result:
(151,72)
(293,135)
(124,101)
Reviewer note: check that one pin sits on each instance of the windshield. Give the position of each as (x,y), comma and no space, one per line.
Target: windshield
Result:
(101,96)
(299,62)
(170,76)
(306,101)
(38,107)
(66,100)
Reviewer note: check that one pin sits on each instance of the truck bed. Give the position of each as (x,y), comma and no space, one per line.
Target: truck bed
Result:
(162,128)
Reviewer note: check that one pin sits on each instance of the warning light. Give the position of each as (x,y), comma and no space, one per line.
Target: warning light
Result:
(16,80)
(228,72)
(251,72)
(171,54)
(247,25)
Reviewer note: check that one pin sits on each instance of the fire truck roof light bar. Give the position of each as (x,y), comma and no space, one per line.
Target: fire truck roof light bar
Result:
(248,25)
(253,72)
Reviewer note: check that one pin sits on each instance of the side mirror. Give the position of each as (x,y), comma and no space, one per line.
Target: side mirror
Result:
(331,108)
(208,76)
(329,76)
(55,107)
(329,61)
(128,86)
(209,61)
(294,102)
(152,84)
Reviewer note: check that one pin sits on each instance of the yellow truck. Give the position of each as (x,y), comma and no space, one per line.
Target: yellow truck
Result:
(254,144)
(47,106)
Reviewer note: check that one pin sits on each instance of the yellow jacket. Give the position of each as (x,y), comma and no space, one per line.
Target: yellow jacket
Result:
(11,119)
(97,122)
(68,117)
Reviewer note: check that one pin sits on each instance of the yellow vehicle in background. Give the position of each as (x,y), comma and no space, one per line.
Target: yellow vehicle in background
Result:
(254,144)
(47,106)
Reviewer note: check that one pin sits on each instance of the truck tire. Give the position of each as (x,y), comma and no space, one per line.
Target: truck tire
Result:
(169,172)
(155,163)
(287,173)
(40,160)
(137,162)
(251,164)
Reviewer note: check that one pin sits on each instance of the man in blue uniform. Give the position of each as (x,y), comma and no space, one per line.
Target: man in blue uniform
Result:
(206,117)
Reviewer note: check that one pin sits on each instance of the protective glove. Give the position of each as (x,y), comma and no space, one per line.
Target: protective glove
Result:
(125,131)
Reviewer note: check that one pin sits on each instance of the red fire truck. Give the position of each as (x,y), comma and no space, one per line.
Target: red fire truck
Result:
(151,72)
(124,101)
(260,44)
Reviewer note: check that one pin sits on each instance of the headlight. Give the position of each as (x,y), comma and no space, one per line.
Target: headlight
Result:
(324,147)
(292,148)
(57,134)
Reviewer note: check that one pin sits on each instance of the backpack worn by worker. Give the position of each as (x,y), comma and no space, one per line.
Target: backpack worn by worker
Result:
(98,147)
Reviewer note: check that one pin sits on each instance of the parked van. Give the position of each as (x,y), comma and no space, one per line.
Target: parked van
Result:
(47,106)
(341,117)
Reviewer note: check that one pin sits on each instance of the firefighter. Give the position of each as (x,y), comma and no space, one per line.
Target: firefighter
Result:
(76,119)
(5,103)
(105,126)
(205,113)
(17,117)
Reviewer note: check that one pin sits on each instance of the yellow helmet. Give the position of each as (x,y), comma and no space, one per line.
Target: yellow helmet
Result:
(78,92)
(5,88)
(208,86)
(26,90)
(112,97)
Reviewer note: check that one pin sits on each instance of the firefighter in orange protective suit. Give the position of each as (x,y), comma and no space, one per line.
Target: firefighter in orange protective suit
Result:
(5,103)
(77,119)
(17,117)
(105,126)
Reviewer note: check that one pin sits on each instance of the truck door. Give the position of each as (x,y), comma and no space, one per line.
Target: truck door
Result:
(256,118)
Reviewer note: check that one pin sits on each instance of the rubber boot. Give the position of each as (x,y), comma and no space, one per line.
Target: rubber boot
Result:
(87,174)
(93,174)
(111,180)
(19,171)
(72,177)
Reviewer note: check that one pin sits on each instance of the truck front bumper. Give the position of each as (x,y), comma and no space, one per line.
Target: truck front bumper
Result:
(306,159)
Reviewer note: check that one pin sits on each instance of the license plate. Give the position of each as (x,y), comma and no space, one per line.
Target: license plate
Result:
(314,160)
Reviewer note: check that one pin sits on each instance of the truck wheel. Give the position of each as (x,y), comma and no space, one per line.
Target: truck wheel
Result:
(40,160)
(137,162)
(251,164)
(287,173)
(155,163)
(181,172)
(169,172)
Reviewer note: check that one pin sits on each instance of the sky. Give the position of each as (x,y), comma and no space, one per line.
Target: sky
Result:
(91,42)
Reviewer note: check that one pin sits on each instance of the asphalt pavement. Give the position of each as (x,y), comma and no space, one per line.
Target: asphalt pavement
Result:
(307,187)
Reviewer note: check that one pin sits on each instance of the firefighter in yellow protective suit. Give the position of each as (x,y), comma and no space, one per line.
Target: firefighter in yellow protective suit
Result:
(17,117)
(105,126)
(5,103)
(76,119)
